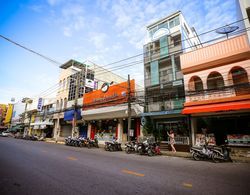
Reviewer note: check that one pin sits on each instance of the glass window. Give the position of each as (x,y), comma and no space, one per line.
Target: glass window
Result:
(171,23)
(164,46)
(154,66)
(163,25)
(177,21)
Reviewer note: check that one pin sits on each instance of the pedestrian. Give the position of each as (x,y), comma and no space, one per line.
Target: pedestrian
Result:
(171,141)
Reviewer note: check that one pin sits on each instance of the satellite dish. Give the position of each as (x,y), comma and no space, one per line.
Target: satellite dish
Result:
(226,30)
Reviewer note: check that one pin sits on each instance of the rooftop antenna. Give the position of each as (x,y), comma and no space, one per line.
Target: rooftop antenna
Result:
(226,30)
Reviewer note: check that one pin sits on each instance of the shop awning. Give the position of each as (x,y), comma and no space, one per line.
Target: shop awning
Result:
(219,107)
(111,112)
(41,123)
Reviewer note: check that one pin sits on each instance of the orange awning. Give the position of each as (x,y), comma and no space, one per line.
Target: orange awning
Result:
(228,106)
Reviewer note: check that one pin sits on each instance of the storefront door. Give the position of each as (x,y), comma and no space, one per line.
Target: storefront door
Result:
(165,127)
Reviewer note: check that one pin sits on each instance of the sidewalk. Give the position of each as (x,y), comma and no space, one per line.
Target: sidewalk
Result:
(169,153)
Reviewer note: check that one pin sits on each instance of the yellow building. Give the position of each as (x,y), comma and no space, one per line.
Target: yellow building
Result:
(3,109)
(8,115)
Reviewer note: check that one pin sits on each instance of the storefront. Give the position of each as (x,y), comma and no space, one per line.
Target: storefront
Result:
(41,128)
(109,122)
(165,121)
(106,113)
(221,123)
(231,128)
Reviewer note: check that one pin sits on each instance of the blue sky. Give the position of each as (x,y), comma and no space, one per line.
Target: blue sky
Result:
(102,31)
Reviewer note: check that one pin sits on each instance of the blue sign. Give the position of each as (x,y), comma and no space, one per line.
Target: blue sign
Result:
(69,115)
(40,104)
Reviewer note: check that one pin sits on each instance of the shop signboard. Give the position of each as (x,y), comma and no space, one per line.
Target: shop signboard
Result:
(131,132)
(238,140)
(108,95)
(40,104)
(90,83)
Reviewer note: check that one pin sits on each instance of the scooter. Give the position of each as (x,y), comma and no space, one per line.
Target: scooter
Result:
(201,153)
(113,146)
(131,147)
(221,154)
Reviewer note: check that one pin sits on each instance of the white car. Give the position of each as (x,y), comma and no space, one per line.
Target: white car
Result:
(6,134)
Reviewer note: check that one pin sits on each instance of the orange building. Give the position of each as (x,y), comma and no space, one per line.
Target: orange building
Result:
(216,79)
(106,112)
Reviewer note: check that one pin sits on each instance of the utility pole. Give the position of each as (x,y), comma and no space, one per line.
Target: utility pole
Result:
(129,107)
(75,106)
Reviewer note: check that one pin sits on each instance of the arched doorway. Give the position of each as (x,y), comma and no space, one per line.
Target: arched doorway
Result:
(240,80)
(195,84)
(215,81)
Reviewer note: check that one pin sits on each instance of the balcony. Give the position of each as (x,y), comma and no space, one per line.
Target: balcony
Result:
(166,105)
(209,95)
(223,94)
(224,52)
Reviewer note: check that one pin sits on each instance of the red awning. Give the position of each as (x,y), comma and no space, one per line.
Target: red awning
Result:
(228,106)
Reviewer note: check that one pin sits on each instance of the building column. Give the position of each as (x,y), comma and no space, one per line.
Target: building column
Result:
(120,130)
(193,129)
(173,67)
(89,130)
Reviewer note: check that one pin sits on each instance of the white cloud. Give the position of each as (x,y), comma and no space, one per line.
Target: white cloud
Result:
(37,8)
(54,2)
(67,32)
(98,39)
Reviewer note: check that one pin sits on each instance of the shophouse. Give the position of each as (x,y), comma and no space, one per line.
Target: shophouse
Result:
(105,111)
(216,79)
(17,118)
(76,79)
(164,87)
(41,121)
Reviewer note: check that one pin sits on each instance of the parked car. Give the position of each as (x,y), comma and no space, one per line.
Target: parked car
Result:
(6,134)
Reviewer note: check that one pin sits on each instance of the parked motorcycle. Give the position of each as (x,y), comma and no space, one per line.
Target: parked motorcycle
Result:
(92,143)
(113,146)
(156,149)
(146,148)
(131,147)
(202,152)
(221,154)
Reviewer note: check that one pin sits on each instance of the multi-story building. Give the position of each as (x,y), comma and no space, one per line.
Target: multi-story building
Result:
(41,118)
(164,87)
(244,15)
(216,79)
(76,79)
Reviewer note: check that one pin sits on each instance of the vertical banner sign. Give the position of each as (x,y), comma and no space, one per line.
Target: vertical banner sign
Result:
(154,66)
(40,104)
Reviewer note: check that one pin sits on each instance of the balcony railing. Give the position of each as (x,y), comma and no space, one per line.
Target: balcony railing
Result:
(228,91)
(166,105)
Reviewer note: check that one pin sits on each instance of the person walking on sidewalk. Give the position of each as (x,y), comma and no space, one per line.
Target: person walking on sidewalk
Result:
(171,141)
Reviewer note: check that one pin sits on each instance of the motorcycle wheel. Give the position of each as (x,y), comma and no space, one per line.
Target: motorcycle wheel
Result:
(140,151)
(150,152)
(196,156)
(216,158)
(111,149)
(106,148)
(127,150)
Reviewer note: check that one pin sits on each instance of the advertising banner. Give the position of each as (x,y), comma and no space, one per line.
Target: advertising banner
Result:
(108,95)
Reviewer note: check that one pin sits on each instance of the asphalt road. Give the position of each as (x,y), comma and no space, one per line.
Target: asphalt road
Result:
(28,167)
